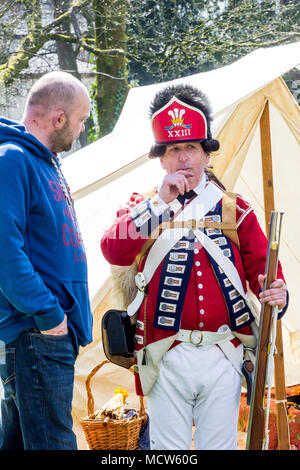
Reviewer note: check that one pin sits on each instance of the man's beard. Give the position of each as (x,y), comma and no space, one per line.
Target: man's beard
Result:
(61,140)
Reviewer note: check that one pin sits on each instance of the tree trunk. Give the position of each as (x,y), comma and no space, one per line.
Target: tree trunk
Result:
(111,80)
(67,58)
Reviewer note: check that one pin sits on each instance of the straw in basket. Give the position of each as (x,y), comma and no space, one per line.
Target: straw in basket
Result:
(117,434)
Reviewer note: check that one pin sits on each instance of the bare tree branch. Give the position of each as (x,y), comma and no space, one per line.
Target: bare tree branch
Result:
(32,43)
(5,9)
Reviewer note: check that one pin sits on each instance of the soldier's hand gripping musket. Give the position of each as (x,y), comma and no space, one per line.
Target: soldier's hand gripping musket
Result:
(257,437)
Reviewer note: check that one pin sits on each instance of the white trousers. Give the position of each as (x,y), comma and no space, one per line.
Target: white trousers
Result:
(200,385)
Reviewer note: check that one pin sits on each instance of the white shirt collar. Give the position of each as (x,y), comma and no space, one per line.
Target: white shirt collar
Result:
(198,189)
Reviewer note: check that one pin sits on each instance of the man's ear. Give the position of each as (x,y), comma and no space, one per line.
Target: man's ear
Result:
(162,162)
(207,158)
(59,119)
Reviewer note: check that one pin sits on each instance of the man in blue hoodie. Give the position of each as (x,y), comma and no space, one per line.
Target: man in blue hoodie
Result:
(45,313)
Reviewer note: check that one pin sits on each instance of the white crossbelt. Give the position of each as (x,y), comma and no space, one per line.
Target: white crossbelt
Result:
(225,263)
(201,204)
(198,337)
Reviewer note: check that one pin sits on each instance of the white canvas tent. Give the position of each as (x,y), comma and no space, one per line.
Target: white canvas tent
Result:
(104,174)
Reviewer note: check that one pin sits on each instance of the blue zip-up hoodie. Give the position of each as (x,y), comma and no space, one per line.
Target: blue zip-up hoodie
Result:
(43,271)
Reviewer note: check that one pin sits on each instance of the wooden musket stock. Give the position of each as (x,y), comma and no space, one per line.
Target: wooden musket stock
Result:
(255,435)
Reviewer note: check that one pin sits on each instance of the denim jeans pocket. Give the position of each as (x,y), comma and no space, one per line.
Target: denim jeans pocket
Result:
(50,337)
(7,364)
(56,346)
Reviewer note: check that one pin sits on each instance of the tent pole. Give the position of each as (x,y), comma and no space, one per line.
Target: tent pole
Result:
(269,204)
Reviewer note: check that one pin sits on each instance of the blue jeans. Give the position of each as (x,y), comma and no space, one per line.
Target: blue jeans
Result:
(38,378)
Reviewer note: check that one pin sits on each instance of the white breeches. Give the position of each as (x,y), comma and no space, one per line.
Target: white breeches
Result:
(200,384)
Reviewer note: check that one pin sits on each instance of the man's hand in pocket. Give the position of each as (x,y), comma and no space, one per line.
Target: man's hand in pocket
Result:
(59,330)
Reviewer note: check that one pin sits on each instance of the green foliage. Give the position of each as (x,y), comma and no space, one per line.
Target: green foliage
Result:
(94,131)
(179,38)
(138,42)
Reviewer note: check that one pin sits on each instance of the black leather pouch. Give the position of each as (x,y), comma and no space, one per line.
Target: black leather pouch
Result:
(118,337)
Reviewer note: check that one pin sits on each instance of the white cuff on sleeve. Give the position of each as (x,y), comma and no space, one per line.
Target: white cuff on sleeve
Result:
(157,205)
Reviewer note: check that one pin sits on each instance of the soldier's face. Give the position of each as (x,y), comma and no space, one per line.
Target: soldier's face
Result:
(186,156)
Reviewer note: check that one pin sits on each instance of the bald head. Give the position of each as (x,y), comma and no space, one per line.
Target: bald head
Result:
(55,90)
(56,101)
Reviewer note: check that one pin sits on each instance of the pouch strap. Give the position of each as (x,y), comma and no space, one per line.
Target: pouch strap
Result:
(198,208)
(224,262)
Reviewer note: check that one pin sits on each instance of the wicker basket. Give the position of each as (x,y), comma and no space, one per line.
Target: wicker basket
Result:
(117,434)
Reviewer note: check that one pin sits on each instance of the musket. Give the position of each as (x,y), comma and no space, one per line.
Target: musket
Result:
(257,435)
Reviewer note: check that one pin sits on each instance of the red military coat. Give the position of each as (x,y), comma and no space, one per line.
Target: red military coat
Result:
(204,305)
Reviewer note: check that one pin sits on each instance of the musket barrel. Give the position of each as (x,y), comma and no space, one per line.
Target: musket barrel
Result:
(255,435)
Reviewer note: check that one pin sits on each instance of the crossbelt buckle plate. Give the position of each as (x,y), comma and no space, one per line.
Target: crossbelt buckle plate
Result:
(191,224)
(140,282)
(196,337)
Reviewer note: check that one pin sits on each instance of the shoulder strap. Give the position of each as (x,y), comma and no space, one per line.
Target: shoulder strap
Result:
(229,216)
(211,195)
(228,224)
(155,234)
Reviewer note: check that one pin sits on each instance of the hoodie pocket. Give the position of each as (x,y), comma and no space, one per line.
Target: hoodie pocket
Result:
(6,310)
(79,312)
